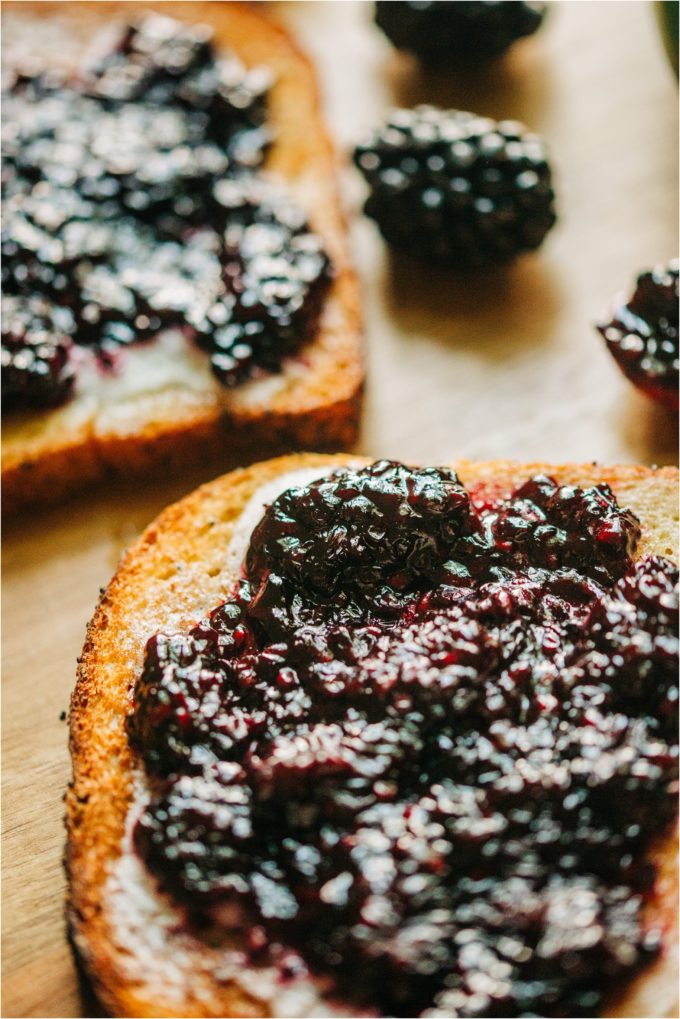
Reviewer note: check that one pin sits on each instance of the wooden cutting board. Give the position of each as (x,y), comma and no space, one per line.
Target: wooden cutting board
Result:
(504,365)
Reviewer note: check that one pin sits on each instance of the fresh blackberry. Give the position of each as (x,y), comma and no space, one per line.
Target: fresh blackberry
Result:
(446,32)
(276,274)
(457,188)
(642,334)
(36,337)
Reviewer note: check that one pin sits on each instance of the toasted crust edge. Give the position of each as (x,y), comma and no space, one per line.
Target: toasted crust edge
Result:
(192,534)
(322,413)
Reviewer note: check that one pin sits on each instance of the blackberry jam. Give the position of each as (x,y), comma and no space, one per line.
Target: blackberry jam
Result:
(134,201)
(426,742)
(642,334)
(36,335)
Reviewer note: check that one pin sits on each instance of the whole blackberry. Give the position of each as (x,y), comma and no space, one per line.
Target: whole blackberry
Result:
(441,30)
(455,187)
(643,334)
(36,336)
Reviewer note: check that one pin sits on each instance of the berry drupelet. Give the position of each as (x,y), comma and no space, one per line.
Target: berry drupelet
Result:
(426,742)
(642,334)
(460,189)
(446,32)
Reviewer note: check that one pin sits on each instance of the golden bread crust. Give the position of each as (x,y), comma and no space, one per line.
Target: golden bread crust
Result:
(175,573)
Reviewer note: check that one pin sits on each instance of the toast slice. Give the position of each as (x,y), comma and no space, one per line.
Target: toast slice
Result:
(140,961)
(167,408)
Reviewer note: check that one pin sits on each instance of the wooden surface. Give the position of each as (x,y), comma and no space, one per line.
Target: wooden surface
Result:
(507,365)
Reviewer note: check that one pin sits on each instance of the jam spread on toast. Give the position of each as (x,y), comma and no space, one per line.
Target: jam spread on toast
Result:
(134,201)
(426,744)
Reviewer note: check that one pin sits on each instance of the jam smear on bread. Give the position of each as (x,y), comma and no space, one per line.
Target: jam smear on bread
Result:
(426,743)
(134,201)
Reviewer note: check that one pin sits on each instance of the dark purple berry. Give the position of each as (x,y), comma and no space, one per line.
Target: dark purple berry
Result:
(643,335)
(447,33)
(457,188)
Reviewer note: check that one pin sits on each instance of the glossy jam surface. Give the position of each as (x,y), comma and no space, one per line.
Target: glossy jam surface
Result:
(133,201)
(426,743)
(643,335)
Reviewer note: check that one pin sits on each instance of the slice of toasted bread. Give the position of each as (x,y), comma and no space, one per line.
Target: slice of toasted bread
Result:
(140,960)
(162,410)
